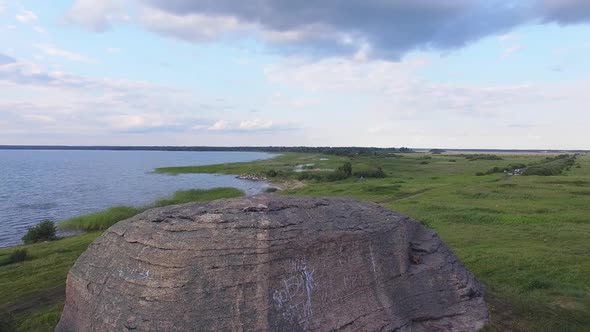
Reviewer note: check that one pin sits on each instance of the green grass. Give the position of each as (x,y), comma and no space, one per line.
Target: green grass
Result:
(107,218)
(527,238)
(32,291)
(45,269)
(101,220)
(283,164)
(199,195)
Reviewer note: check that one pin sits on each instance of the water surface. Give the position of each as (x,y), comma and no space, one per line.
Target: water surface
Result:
(36,184)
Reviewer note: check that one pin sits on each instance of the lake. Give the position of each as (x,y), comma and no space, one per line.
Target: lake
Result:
(38,184)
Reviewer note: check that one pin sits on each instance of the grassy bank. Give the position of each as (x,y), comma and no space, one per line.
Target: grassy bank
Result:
(525,237)
(32,292)
(105,219)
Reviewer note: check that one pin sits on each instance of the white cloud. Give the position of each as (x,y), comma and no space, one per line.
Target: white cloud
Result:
(53,50)
(29,18)
(255,124)
(389,104)
(97,15)
(219,125)
(192,27)
(26,17)
(249,125)
(70,108)
(511,50)
(511,44)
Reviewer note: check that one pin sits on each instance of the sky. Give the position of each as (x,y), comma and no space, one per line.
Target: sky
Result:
(385,73)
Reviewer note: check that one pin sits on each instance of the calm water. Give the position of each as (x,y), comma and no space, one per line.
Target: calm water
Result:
(39,185)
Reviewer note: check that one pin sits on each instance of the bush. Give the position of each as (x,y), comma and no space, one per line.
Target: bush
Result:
(44,231)
(341,173)
(552,166)
(373,173)
(308,176)
(424,163)
(509,168)
(480,156)
(452,160)
(345,169)
(19,255)
(272,173)
(337,175)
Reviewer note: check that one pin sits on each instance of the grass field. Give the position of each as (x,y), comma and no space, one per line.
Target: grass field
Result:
(32,292)
(527,238)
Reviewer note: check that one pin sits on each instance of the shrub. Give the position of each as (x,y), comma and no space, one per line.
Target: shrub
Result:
(373,173)
(272,173)
(341,173)
(19,255)
(44,231)
(346,169)
(452,160)
(509,168)
(337,175)
(552,166)
(308,176)
(423,163)
(481,156)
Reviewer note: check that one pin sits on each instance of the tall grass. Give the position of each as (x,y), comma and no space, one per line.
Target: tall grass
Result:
(101,220)
(199,195)
(105,219)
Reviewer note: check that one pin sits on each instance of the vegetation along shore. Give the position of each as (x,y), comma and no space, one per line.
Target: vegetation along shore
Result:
(523,233)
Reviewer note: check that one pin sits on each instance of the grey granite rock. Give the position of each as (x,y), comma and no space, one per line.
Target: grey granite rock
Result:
(271,263)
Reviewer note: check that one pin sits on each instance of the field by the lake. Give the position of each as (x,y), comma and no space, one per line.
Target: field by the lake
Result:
(527,238)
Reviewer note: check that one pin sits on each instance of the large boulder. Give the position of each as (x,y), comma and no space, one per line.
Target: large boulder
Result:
(271,263)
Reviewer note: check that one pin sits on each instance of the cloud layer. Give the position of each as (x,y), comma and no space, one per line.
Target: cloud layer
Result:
(384,29)
(36,101)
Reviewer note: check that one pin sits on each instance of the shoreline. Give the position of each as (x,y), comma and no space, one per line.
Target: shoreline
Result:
(66,231)
(95,181)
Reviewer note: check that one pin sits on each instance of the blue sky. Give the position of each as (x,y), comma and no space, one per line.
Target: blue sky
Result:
(456,74)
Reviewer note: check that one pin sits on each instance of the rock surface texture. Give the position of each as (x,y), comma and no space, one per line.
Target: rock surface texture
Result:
(271,263)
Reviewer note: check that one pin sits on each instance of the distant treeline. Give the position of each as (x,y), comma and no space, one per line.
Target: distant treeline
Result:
(342,151)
